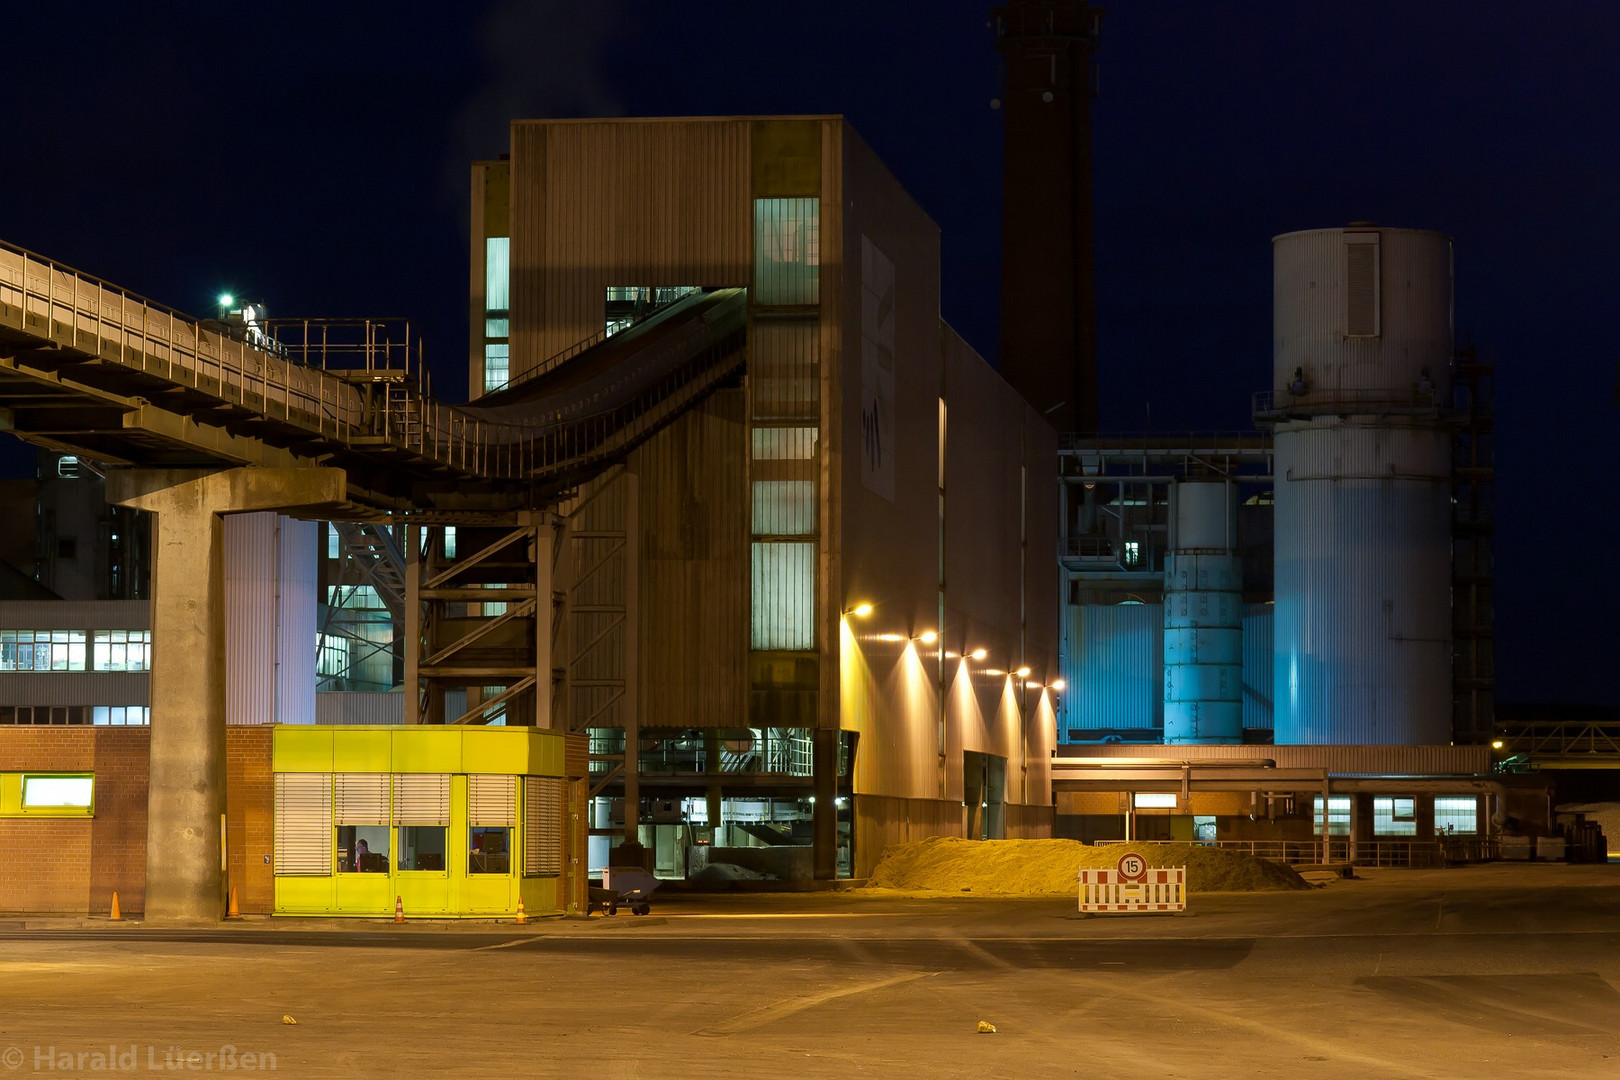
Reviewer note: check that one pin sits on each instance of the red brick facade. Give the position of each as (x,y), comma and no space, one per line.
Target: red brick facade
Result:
(250,818)
(73,866)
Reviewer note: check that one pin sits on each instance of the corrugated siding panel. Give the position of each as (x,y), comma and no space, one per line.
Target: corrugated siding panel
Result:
(359,707)
(270,624)
(1312,301)
(694,569)
(601,552)
(1257,688)
(251,633)
(1116,655)
(75,688)
(602,203)
(297,595)
(76,615)
(1362,638)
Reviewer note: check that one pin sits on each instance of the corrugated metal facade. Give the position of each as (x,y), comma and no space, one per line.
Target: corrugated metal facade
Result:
(1257,688)
(1363,609)
(74,688)
(1312,301)
(597,204)
(1116,654)
(886,539)
(601,551)
(76,615)
(694,567)
(359,707)
(270,619)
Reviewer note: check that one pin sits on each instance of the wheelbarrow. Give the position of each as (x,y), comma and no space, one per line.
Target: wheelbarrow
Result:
(630,886)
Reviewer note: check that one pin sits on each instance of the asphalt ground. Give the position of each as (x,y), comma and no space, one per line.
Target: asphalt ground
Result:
(1495,970)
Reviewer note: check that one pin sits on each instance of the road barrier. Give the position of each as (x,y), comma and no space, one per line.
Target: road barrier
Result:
(1158,889)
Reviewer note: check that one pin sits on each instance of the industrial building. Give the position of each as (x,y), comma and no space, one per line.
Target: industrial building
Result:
(732,507)
(738,552)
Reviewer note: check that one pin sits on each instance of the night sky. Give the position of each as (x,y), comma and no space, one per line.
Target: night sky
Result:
(313,155)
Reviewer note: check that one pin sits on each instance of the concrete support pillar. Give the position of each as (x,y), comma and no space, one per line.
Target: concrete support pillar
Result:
(185,851)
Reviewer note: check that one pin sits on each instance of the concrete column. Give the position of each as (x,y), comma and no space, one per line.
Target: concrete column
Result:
(185,854)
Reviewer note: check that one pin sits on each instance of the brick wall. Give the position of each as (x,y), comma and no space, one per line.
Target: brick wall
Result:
(250,817)
(71,865)
(118,834)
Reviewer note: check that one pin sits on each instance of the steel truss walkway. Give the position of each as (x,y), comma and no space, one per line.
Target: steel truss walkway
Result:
(92,369)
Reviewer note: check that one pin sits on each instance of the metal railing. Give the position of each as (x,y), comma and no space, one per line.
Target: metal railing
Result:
(777,751)
(615,409)
(1416,399)
(1413,852)
(97,319)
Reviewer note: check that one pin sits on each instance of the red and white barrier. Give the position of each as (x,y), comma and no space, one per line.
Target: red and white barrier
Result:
(1156,889)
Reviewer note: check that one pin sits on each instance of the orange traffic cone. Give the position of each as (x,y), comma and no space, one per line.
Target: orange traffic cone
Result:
(116,913)
(233,911)
(521,916)
(399,909)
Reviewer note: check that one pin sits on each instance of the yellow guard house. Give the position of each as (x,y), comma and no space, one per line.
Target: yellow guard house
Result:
(451,821)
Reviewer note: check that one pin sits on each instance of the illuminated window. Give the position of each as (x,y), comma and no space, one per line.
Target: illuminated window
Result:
(784,507)
(1148,800)
(497,274)
(497,366)
(421,813)
(782,600)
(42,650)
(1394,817)
(119,715)
(1456,815)
(1338,815)
(784,443)
(333,548)
(58,792)
(1133,552)
(787,251)
(332,659)
(121,650)
(449,541)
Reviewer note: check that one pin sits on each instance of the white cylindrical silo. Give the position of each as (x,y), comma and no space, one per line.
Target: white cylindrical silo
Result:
(1203,616)
(1362,634)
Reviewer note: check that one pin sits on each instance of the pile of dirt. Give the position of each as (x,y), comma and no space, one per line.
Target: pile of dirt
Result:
(1051,867)
(1607,816)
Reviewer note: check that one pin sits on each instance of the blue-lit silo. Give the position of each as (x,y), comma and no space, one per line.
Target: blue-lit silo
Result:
(1363,345)
(1203,616)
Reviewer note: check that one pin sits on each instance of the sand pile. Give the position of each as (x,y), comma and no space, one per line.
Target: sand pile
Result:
(1607,816)
(1051,867)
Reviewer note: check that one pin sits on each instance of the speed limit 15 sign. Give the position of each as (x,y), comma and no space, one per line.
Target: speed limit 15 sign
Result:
(1132,867)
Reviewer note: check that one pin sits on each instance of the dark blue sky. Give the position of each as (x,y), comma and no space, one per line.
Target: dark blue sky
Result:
(314,155)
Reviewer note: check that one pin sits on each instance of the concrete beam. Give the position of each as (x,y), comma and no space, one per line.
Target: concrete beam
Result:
(185,854)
